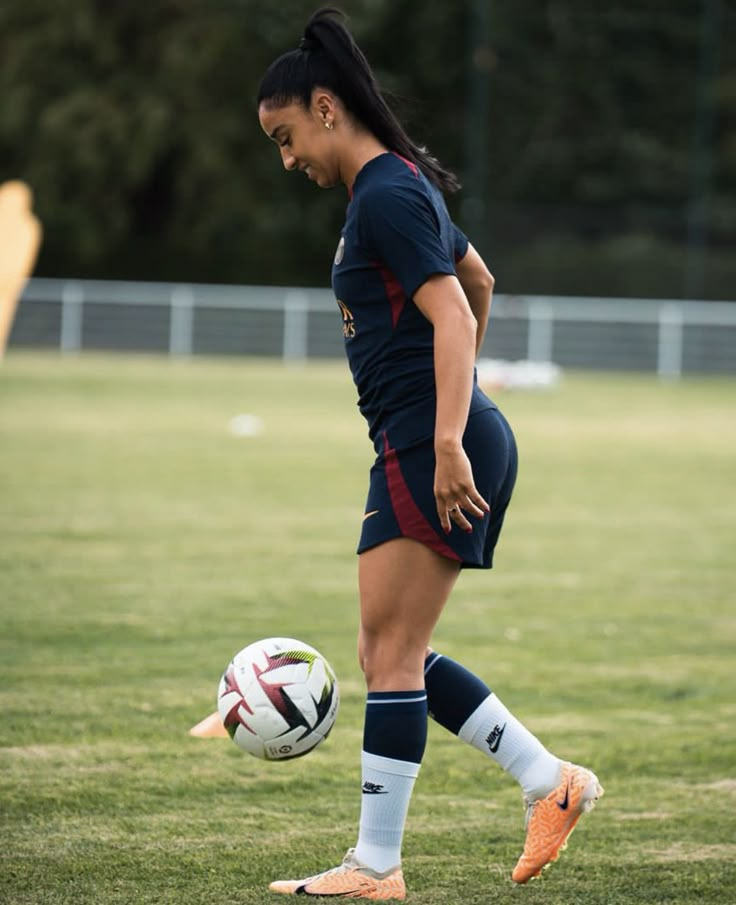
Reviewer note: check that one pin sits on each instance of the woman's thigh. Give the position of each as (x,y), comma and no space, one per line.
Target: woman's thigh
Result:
(404,586)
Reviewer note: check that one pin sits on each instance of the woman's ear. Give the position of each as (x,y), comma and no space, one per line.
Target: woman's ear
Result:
(324,105)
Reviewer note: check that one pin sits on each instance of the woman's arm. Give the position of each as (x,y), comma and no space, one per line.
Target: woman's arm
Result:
(442,301)
(477,283)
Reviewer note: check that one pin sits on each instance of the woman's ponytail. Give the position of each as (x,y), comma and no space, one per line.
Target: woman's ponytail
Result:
(329,57)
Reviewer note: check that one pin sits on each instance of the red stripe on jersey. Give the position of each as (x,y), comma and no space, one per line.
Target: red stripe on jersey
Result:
(412,166)
(409,516)
(394,292)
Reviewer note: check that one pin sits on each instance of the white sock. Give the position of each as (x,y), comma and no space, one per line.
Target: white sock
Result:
(387,788)
(498,734)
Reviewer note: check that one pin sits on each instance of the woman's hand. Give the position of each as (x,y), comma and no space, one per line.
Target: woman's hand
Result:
(455,491)
(442,301)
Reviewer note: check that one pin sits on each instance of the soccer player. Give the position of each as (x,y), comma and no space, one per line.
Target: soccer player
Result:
(414,298)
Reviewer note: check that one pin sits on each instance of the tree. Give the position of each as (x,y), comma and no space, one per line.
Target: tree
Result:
(135,124)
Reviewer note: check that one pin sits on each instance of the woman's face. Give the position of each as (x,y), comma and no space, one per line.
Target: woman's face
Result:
(306,139)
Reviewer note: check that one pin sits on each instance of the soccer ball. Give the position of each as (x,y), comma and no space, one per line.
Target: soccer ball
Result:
(278,698)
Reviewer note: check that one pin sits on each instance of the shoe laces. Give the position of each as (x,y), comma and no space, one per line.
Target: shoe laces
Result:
(350,862)
(530,804)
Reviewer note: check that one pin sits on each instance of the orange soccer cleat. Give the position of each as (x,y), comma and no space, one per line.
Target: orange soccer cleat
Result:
(550,820)
(351,880)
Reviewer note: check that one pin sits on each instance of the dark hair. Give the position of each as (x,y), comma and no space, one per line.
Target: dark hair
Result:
(328,57)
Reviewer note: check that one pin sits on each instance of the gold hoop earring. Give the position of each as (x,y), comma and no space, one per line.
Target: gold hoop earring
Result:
(329,125)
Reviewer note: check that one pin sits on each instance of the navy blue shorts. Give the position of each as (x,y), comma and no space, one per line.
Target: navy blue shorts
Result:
(401,500)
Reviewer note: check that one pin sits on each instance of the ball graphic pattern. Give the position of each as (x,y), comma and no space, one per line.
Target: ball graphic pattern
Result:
(278,698)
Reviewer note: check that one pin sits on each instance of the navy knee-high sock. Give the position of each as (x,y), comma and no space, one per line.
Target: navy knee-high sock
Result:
(394,738)
(453,692)
(461,702)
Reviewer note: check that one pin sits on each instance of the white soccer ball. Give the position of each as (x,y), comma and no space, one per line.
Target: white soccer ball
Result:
(278,698)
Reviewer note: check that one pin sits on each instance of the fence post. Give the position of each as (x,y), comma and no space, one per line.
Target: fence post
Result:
(669,352)
(72,301)
(539,337)
(296,308)
(181,321)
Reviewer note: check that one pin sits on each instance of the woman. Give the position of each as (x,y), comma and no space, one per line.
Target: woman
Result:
(414,298)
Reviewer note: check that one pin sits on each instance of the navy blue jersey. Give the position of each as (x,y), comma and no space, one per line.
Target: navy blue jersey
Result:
(397,234)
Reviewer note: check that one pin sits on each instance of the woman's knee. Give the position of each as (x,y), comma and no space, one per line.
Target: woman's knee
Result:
(361,658)
(399,657)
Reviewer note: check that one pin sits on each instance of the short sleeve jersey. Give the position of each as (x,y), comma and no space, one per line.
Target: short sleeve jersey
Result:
(397,235)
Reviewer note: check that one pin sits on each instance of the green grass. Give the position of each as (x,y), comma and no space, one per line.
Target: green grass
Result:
(142,545)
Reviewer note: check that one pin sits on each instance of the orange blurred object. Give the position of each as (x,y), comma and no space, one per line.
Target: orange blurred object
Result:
(20,240)
(210,727)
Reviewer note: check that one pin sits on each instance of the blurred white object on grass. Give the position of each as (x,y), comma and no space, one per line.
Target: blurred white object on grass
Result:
(494,374)
(245,425)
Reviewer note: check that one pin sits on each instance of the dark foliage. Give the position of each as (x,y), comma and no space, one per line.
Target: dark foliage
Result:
(597,147)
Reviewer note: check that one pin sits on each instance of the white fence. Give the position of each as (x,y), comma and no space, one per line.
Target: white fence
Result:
(671,337)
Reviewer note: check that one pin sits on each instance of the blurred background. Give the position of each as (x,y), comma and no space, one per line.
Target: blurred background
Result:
(159,511)
(596,146)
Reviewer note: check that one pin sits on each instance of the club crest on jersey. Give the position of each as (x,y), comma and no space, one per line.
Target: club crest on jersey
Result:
(348,321)
(340,251)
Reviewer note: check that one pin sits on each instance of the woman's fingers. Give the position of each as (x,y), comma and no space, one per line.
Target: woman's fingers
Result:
(456,495)
(457,513)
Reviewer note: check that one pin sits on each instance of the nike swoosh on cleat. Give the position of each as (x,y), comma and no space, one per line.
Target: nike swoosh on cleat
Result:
(563,805)
(302,891)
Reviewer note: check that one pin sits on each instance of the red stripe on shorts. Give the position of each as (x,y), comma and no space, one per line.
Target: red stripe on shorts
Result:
(409,516)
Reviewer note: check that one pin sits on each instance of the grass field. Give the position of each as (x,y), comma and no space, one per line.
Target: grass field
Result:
(143,544)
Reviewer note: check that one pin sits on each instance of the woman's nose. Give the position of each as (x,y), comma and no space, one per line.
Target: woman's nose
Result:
(288,159)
